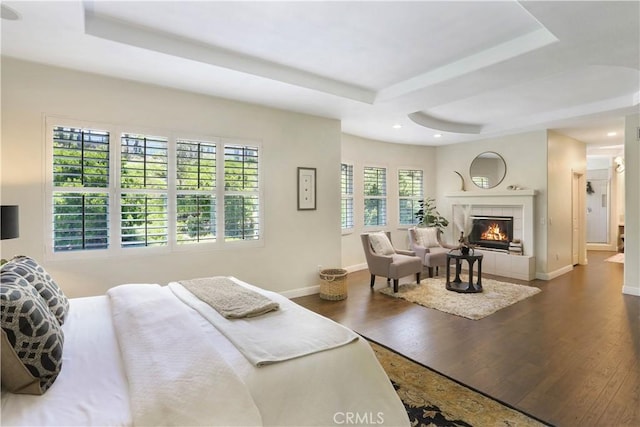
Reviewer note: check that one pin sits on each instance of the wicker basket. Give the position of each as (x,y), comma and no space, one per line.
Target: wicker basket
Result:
(333,284)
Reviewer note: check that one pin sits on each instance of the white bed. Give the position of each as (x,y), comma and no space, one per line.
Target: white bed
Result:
(343,385)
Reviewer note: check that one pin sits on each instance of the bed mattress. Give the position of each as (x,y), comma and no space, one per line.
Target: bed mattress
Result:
(325,388)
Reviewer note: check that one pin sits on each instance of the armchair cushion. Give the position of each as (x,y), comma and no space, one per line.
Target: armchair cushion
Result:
(427,236)
(381,244)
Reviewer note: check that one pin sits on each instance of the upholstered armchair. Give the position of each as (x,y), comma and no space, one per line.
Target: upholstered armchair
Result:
(386,261)
(427,244)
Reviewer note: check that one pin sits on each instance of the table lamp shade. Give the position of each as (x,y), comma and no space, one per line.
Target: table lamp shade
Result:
(9,222)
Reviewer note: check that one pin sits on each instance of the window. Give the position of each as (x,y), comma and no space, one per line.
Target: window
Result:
(346,185)
(375,196)
(149,191)
(195,185)
(241,202)
(144,181)
(80,195)
(410,191)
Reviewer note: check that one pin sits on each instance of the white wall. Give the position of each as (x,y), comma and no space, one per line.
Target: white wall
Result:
(526,158)
(363,152)
(632,206)
(31,91)
(566,157)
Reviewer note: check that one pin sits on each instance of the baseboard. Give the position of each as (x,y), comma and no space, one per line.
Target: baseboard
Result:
(357,267)
(301,292)
(311,290)
(554,274)
(601,247)
(631,290)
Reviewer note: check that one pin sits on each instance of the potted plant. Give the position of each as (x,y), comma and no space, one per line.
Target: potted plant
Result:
(428,215)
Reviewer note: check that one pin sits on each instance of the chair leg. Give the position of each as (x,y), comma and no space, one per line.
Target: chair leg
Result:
(430,271)
(437,270)
(395,285)
(373,280)
(418,278)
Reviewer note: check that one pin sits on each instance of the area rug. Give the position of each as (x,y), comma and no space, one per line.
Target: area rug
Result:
(431,399)
(432,293)
(619,258)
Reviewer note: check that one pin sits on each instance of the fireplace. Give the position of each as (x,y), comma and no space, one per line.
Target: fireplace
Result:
(492,231)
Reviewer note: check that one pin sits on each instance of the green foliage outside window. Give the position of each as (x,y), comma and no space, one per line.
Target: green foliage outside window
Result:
(375,200)
(410,190)
(81,215)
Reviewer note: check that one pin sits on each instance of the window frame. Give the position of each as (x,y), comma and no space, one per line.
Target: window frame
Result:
(348,197)
(197,192)
(150,191)
(115,192)
(414,198)
(78,190)
(385,197)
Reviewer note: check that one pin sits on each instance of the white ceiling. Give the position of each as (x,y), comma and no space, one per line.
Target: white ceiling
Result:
(465,70)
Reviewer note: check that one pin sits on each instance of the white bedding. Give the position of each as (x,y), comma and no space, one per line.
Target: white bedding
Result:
(320,389)
(260,338)
(92,387)
(165,387)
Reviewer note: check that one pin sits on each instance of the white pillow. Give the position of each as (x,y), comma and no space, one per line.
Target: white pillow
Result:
(380,243)
(427,236)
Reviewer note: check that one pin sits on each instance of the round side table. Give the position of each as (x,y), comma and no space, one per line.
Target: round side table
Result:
(457,285)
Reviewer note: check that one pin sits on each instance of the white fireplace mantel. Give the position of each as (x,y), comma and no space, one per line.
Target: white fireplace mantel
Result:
(488,193)
(523,198)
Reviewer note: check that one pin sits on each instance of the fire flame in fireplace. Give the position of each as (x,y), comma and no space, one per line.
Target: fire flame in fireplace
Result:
(493,232)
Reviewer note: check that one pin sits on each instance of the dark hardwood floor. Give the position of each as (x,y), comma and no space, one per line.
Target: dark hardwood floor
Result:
(569,355)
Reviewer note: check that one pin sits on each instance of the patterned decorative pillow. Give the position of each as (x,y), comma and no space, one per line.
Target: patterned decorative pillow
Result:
(381,244)
(427,236)
(37,276)
(32,338)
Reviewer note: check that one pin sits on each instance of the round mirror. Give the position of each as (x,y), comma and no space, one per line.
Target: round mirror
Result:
(487,169)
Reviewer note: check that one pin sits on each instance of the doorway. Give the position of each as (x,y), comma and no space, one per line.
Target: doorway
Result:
(598,206)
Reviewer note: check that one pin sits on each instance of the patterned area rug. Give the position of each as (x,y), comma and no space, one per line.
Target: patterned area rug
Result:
(432,399)
(432,293)
(619,258)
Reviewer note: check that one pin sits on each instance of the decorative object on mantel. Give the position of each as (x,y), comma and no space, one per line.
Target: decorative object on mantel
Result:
(514,187)
(461,181)
(428,216)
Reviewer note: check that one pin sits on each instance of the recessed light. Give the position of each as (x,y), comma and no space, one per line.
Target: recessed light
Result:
(437,135)
(612,133)
(397,126)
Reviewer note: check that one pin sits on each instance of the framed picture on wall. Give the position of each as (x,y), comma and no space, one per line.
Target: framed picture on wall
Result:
(306,189)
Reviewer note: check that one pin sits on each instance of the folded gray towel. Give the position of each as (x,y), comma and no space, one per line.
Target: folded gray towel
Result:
(229,298)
